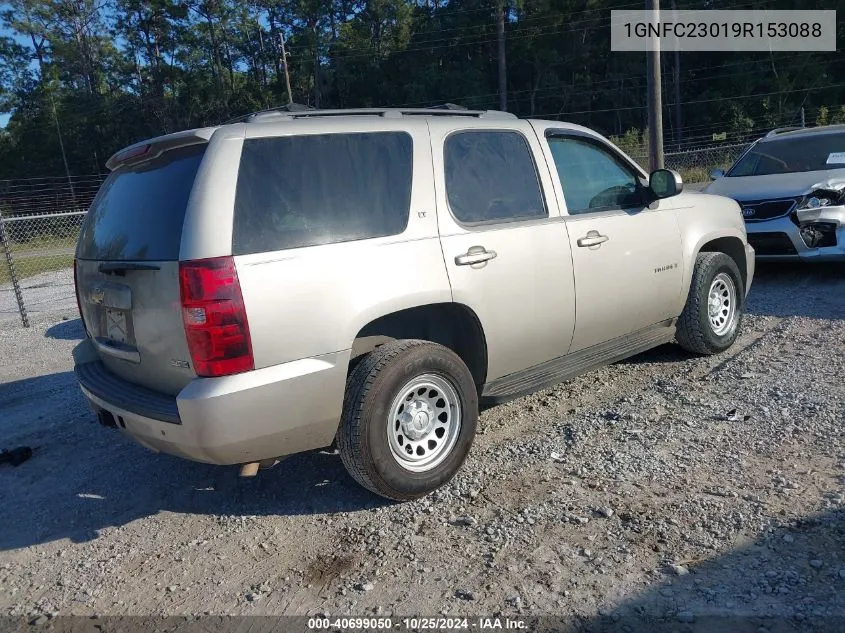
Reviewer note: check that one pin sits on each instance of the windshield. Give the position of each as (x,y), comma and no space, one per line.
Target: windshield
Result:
(813,152)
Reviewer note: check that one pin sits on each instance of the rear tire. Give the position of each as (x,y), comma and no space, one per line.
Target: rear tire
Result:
(409,418)
(712,315)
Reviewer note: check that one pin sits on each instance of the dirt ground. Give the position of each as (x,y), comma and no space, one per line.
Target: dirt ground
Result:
(666,487)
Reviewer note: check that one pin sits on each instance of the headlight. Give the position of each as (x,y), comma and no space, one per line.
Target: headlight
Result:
(813,202)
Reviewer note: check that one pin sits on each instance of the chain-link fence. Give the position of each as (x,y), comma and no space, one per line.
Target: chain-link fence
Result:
(39,225)
(695,165)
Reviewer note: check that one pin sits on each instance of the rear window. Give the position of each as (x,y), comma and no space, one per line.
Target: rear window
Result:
(138,213)
(296,191)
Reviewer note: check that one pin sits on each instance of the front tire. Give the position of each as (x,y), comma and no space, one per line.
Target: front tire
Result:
(712,315)
(409,419)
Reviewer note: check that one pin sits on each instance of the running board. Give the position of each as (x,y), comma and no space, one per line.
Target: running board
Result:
(557,370)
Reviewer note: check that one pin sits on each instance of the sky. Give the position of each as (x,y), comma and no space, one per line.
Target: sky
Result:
(4,32)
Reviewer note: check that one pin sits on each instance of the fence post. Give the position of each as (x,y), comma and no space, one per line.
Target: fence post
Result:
(7,250)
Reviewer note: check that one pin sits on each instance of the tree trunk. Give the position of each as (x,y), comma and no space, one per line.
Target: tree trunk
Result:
(503,70)
(317,95)
(274,31)
(39,53)
(263,58)
(227,53)
(314,25)
(535,86)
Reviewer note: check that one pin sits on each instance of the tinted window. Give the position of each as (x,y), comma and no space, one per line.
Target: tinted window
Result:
(813,152)
(592,178)
(490,176)
(139,211)
(306,190)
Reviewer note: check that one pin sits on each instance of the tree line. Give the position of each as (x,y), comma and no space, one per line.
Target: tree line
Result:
(83,78)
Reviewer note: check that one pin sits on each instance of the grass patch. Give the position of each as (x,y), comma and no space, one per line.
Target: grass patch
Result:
(44,243)
(30,266)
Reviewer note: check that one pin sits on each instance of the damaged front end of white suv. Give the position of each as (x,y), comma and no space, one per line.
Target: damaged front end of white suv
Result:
(820,216)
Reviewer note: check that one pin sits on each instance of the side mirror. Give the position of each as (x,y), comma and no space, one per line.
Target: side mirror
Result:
(665,183)
(717,173)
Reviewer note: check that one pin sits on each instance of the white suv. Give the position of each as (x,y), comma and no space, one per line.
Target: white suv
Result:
(268,286)
(791,187)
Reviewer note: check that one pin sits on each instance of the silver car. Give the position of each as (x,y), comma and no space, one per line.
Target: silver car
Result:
(365,278)
(791,186)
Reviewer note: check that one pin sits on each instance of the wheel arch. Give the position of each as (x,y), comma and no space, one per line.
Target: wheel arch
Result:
(728,240)
(453,325)
(731,246)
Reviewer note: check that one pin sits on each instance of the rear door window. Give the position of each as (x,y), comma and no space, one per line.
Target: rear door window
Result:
(296,191)
(491,177)
(139,211)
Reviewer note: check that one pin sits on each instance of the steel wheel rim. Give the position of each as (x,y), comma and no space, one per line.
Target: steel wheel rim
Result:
(721,304)
(424,423)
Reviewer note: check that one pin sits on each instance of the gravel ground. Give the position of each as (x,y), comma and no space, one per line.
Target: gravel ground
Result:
(45,296)
(665,486)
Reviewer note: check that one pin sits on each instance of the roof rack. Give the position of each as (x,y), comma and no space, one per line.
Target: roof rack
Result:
(288,107)
(284,113)
(447,106)
(781,130)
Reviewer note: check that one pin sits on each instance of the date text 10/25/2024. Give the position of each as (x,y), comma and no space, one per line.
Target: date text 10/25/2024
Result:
(418,624)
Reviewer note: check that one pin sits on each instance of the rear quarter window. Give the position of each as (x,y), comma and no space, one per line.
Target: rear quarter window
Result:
(297,191)
(139,210)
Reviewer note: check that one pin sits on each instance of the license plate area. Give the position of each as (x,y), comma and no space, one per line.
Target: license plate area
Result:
(116,329)
(113,303)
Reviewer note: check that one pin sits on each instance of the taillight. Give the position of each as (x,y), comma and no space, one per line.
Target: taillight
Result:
(76,291)
(214,316)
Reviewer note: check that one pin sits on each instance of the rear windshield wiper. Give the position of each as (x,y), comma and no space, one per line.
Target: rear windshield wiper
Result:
(120,268)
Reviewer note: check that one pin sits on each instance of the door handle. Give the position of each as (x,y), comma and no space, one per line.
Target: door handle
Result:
(592,239)
(475,255)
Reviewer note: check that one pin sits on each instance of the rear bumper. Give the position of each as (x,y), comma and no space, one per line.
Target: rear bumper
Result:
(247,417)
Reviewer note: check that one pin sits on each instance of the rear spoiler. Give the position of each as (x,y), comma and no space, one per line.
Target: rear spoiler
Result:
(149,149)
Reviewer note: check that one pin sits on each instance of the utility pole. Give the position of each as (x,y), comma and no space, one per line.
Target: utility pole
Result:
(655,100)
(285,66)
(676,84)
(803,123)
(62,148)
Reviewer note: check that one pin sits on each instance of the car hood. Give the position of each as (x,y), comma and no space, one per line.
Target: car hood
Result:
(776,185)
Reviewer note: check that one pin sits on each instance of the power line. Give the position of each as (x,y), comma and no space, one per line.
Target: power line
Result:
(751,96)
(425,43)
(572,89)
(566,16)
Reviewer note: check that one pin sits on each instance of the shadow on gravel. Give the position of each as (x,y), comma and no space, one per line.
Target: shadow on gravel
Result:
(71,330)
(816,291)
(667,353)
(84,477)
(813,290)
(789,579)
